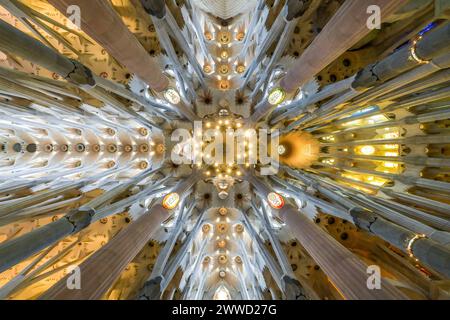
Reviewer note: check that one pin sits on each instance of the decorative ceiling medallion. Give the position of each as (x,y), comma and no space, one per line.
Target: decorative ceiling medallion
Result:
(275,200)
(171,200)
(276,96)
(172,96)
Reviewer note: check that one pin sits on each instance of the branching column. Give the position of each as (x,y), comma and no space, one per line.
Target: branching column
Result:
(18,249)
(99,272)
(338,36)
(32,50)
(346,272)
(104,25)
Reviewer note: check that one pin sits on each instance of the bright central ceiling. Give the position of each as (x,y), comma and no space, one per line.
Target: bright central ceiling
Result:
(226,9)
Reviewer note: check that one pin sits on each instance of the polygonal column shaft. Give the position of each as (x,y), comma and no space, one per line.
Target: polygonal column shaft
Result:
(433,44)
(16,42)
(18,249)
(343,31)
(346,272)
(99,272)
(104,25)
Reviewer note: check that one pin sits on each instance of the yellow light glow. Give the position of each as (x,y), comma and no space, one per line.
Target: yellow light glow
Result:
(353,123)
(370,179)
(378,182)
(391,135)
(207,68)
(390,164)
(224,54)
(367,150)
(240,68)
(328,161)
(378,118)
(352,176)
(391,154)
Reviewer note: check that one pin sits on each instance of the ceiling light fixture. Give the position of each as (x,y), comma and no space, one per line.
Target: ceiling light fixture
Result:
(172,96)
(276,96)
(367,150)
(171,200)
(275,200)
